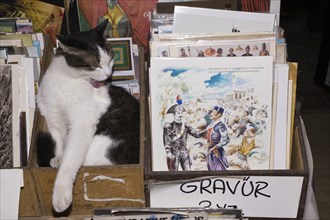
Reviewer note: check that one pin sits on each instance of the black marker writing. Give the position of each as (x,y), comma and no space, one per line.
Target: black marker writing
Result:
(243,187)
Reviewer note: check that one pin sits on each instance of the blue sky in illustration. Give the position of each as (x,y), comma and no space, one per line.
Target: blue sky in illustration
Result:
(175,71)
(223,79)
(213,80)
(219,80)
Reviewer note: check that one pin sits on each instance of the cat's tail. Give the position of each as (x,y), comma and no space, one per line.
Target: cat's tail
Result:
(45,148)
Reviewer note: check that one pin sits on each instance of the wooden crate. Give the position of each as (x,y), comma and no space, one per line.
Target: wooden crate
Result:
(164,181)
(88,194)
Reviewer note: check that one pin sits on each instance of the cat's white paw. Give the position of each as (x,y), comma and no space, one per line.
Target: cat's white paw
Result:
(55,162)
(62,196)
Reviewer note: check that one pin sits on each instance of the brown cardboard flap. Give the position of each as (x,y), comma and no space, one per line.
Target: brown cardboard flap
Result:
(95,187)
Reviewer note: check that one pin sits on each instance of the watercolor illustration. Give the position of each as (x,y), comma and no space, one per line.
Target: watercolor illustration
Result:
(211,115)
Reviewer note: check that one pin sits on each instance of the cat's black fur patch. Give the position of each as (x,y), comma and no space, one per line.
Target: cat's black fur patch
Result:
(45,148)
(122,123)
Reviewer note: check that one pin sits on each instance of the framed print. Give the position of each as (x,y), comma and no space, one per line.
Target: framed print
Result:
(123,52)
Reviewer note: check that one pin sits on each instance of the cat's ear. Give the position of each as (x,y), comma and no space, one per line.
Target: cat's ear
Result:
(101,27)
(64,43)
(62,40)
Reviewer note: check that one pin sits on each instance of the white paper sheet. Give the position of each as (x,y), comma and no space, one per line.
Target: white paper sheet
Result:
(11,181)
(204,20)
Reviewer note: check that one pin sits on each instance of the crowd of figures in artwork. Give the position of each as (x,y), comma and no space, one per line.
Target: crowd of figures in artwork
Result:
(228,135)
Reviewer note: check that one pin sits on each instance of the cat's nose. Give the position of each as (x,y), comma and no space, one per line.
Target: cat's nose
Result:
(108,72)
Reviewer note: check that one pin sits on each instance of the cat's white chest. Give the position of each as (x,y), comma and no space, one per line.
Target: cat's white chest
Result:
(101,96)
(83,97)
(73,97)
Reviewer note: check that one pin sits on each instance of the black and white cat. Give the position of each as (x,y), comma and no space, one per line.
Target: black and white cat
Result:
(90,121)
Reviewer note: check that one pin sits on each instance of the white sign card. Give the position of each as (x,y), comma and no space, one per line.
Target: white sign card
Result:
(205,20)
(257,196)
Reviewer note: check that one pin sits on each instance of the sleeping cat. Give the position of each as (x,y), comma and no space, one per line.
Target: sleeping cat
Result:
(90,121)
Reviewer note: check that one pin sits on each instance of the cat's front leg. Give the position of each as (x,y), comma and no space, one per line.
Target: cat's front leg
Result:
(62,194)
(55,162)
(74,155)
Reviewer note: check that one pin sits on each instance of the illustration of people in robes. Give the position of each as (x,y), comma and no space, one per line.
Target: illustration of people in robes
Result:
(217,137)
(245,150)
(175,135)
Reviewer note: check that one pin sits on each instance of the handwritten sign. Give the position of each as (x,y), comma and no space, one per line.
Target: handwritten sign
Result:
(257,196)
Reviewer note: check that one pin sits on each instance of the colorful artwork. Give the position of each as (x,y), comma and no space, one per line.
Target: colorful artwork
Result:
(122,50)
(211,114)
(255,48)
(123,55)
(45,17)
(127,18)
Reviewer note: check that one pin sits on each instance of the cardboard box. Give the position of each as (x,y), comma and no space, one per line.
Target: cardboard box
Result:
(88,193)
